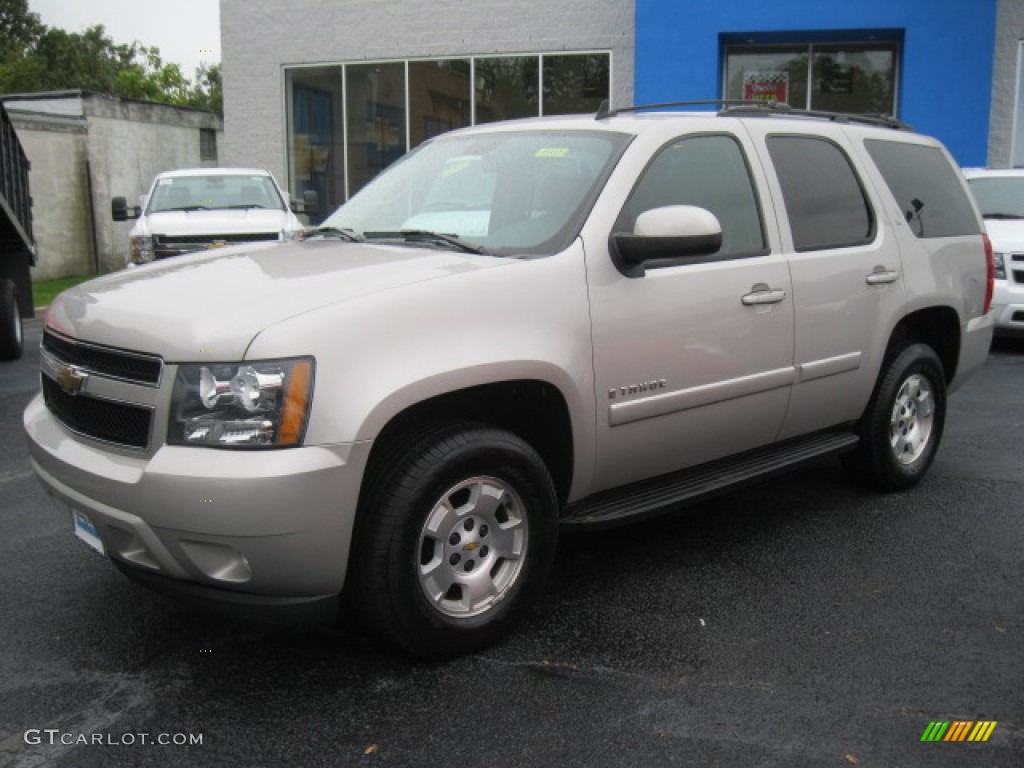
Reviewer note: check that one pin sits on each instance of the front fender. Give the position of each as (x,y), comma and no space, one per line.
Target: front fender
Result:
(380,354)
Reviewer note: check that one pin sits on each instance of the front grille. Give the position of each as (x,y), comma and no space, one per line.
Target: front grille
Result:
(1018,276)
(165,246)
(128,366)
(100,419)
(201,241)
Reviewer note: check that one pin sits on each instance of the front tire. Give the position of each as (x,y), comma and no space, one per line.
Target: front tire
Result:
(12,342)
(902,426)
(455,539)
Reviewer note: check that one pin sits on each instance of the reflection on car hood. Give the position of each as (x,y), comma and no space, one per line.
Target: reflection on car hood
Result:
(210,305)
(217,222)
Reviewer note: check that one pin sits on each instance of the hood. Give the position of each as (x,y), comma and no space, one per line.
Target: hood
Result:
(215,222)
(1006,236)
(210,305)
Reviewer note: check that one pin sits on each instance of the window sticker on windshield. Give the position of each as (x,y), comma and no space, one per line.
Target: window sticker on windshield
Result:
(552,152)
(454,168)
(164,182)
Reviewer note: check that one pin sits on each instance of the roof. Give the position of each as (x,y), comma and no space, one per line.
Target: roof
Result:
(974,173)
(213,172)
(637,119)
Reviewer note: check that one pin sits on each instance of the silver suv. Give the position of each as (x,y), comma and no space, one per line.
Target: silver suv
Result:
(519,327)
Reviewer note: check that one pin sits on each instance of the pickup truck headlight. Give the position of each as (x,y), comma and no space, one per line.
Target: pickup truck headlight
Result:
(1000,261)
(259,404)
(140,249)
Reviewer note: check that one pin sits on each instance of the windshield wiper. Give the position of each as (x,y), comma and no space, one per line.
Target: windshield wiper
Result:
(246,206)
(426,236)
(1003,216)
(185,208)
(344,232)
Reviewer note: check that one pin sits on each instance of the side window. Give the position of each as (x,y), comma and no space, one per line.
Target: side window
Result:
(928,190)
(824,198)
(710,172)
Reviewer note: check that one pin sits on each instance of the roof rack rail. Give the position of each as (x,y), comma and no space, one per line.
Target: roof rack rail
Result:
(748,108)
(604,110)
(765,109)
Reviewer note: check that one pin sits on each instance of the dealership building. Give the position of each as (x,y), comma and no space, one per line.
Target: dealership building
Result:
(331,92)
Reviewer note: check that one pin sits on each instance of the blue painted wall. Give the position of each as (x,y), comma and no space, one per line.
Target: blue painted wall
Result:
(944,82)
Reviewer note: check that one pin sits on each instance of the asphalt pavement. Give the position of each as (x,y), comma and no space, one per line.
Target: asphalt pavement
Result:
(800,622)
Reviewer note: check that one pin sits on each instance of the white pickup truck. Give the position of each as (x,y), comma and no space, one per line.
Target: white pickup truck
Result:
(198,208)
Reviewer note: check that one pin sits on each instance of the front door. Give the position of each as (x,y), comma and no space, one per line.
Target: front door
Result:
(693,361)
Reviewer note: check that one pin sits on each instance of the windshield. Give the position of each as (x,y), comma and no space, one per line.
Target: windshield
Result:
(999,196)
(191,193)
(522,192)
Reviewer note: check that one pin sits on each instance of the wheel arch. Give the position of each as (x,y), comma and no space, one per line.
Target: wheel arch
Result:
(938,327)
(534,410)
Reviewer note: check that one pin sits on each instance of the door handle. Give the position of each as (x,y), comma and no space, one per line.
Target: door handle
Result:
(761,294)
(882,276)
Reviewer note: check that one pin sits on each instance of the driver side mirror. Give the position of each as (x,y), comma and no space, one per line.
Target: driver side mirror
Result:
(666,237)
(310,202)
(119,210)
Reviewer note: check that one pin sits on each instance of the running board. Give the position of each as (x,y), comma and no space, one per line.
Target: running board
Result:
(650,497)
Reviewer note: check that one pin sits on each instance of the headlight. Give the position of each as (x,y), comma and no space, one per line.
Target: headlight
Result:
(241,405)
(1000,263)
(140,249)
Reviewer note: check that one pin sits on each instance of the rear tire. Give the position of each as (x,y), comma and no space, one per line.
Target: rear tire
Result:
(902,426)
(455,539)
(12,340)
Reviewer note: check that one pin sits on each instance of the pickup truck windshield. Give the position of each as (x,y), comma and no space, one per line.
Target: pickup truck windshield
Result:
(999,197)
(214,192)
(508,193)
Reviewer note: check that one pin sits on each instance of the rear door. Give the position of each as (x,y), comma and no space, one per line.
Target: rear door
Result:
(846,269)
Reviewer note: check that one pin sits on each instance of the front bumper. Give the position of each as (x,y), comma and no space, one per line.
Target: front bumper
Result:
(1008,308)
(253,530)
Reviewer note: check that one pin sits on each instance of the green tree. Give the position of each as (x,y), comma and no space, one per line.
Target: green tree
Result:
(19,29)
(34,57)
(208,90)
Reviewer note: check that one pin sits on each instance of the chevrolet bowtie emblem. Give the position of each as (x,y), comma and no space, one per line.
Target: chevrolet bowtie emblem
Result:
(217,244)
(71,379)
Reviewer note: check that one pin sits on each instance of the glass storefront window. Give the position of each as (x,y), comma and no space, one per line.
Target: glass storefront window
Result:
(439,98)
(375,119)
(506,88)
(348,122)
(852,77)
(316,144)
(1017,150)
(767,74)
(575,83)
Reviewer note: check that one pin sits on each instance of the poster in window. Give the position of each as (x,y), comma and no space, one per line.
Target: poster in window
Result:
(766,86)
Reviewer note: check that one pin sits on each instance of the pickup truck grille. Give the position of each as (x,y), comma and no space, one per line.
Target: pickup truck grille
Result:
(165,246)
(105,420)
(1015,267)
(116,364)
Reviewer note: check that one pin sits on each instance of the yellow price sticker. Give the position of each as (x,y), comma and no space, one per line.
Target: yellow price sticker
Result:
(454,168)
(552,152)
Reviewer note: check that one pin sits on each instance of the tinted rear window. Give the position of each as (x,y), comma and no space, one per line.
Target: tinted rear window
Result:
(825,202)
(927,188)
